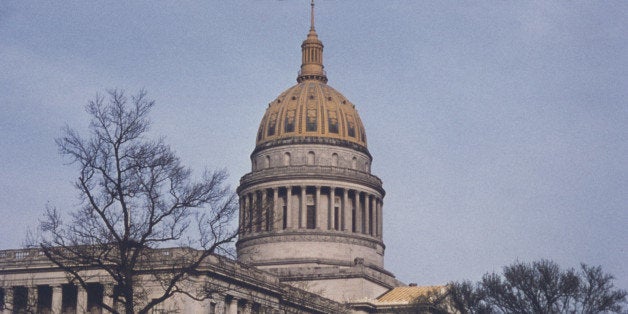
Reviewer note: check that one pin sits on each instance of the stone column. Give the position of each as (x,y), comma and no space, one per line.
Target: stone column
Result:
(381,219)
(252,205)
(277,217)
(303,209)
(319,210)
(247,214)
(56,299)
(264,210)
(107,296)
(219,307)
(374,214)
(367,216)
(33,297)
(376,217)
(241,214)
(332,208)
(8,300)
(289,224)
(346,211)
(358,213)
(81,300)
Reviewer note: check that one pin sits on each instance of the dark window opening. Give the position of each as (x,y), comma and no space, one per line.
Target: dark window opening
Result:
(353,219)
(69,296)
(271,124)
(311,216)
(289,125)
(95,294)
(255,309)
(336,218)
(351,131)
(285,217)
(371,220)
(20,300)
(44,299)
(311,126)
(353,212)
(333,127)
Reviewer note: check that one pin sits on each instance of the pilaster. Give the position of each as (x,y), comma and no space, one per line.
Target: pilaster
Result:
(57,298)
(319,210)
(8,300)
(303,209)
(289,210)
(346,209)
(277,217)
(81,300)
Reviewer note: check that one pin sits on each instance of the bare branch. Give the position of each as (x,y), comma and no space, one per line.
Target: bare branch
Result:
(136,198)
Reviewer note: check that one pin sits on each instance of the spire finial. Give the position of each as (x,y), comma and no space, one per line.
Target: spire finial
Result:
(312,55)
(312,16)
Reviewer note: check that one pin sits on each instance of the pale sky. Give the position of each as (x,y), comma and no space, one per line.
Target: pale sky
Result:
(499,129)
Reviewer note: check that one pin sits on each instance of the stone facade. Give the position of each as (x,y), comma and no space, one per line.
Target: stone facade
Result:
(29,283)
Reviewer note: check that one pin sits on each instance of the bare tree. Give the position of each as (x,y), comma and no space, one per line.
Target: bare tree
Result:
(541,287)
(136,199)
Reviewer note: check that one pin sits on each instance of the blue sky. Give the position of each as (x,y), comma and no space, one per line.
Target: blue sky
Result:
(500,129)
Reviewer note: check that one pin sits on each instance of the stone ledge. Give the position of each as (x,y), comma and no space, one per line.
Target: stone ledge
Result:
(306,235)
(295,140)
(307,172)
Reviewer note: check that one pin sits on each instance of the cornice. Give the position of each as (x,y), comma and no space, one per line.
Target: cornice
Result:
(299,140)
(335,174)
(307,235)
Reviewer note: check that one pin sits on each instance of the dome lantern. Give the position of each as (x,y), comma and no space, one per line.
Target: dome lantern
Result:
(312,55)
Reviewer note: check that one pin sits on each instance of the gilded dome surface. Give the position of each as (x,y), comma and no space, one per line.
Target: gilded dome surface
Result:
(311,109)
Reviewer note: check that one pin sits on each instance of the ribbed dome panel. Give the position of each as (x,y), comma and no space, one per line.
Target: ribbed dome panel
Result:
(311,109)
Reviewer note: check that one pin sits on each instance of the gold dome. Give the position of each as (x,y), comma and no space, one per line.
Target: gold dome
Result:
(311,111)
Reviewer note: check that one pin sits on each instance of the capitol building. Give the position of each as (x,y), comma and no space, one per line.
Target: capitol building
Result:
(311,223)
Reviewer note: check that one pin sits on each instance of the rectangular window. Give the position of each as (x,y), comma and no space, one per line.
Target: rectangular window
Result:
(311,216)
(20,299)
(290,120)
(332,120)
(95,293)
(69,296)
(311,120)
(285,217)
(271,124)
(44,299)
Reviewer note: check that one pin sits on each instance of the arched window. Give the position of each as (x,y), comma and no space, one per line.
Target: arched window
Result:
(334,160)
(286,159)
(267,162)
(354,163)
(310,158)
